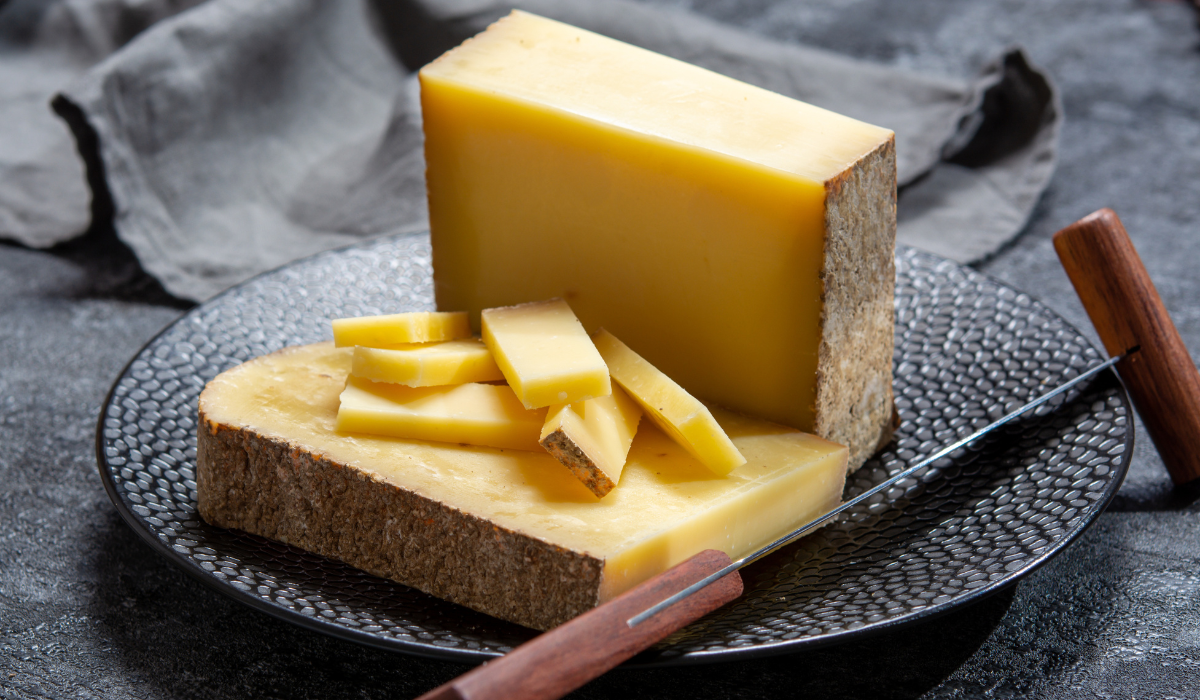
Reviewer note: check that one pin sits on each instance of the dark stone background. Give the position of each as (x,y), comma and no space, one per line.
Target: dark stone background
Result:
(87,610)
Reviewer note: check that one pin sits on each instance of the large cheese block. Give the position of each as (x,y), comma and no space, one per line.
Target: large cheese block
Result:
(507,532)
(739,240)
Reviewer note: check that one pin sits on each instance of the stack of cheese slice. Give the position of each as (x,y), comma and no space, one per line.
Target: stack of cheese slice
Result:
(558,394)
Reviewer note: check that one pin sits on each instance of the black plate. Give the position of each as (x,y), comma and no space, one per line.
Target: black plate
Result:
(967,350)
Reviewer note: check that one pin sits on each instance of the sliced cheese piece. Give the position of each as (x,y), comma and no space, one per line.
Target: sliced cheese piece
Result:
(676,412)
(393,329)
(544,353)
(592,438)
(428,364)
(740,240)
(474,414)
(509,533)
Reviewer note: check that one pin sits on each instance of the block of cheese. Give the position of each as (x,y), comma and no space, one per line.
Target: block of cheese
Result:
(741,241)
(394,329)
(473,414)
(544,353)
(510,533)
(592,438)
(428,364)
(676,412)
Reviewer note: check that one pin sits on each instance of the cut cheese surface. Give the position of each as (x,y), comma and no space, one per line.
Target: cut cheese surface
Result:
(428,364)
(676,412)
(667,508)
(592,438)
(393,329)
(474,414)
(544,353)
(742,241)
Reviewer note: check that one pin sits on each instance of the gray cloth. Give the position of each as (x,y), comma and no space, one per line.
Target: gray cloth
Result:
(45,47)
(241,134)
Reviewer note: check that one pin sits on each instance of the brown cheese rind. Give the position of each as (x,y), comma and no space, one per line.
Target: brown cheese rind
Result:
(560,445)
(284,492)
(854,380)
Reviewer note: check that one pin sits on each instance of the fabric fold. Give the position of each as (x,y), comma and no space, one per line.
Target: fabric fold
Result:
(44,48)
(982,192)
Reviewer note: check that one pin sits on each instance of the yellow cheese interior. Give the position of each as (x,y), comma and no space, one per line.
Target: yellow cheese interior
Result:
(475,414)
(667,508)
(544,353)
(393,329)
(428,364)
(676,412)
(600,428)
(680,209)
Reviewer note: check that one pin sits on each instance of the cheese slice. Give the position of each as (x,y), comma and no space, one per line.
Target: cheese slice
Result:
(742,241)
(544,353)
(474,414)
(393,329)
(592,438)
(676,412)
(428,364)
(510,533)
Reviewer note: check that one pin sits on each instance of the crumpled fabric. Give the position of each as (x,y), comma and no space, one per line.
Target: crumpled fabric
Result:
(45,47)
(232,137)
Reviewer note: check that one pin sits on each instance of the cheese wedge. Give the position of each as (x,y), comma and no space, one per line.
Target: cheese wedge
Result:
(592,438)
(472,414)
(428,364)
(742,241)
(676,412)
(393,329)
(544,353)
(509,533)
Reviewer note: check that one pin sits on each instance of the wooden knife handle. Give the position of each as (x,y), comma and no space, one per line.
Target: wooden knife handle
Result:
(1125,307)
(566,657)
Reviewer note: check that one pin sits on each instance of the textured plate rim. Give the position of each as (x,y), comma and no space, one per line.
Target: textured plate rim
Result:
(646,659)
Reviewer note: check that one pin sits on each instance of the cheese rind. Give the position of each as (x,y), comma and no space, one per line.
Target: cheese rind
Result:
(742,241)
(393,329)
(676,412)
(428,364)
(592,438)
(510,533)
(544,353)
(474,414)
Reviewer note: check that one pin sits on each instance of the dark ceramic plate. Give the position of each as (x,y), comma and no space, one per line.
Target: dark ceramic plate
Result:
(967,350)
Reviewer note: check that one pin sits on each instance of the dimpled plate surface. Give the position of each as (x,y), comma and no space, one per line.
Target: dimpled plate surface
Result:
(968,349)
